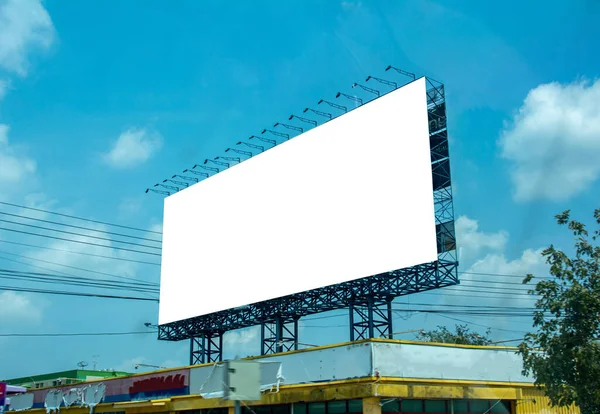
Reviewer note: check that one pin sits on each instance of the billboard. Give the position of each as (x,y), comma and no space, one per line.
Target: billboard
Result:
(350,198)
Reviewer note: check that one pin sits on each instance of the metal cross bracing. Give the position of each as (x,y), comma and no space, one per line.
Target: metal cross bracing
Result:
(279,335)
(206,348)
(371,319)
(374,292)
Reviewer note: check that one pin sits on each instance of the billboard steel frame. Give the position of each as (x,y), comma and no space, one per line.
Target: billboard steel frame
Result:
(369,299)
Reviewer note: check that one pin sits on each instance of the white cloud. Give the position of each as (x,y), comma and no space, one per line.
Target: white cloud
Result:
(553,142)
(496,263)
(130,206)
(133,147)
(349,5)
(156,227)
(25,25)
(18,308)
(498,280)
(63,256)
(472,241)
(129,365)
(242,342)
(490,278)
(16,167)
(71,257)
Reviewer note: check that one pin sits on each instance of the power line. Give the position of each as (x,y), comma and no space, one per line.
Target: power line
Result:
(483,326)
(72,233)
(445,305)
(491,281)
(24,335)
(66,293)
(510,293)
(139,283)
(79,227)
(79,241)
(67,266)
(74,281)
(79,218)
(80,253)
(502,275)
(469,296)
(507,289)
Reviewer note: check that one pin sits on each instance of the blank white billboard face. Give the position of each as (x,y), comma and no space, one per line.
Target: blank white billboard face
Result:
(348,199)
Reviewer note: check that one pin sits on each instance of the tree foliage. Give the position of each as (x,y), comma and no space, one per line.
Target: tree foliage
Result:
(462,336)
(563,353)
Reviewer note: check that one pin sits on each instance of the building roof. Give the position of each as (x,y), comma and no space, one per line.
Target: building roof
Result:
(72,374)
(370,369)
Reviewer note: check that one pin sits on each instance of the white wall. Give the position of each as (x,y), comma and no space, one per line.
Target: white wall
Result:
(443,362)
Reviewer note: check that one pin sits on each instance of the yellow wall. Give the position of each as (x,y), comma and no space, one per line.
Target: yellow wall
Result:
(533,401)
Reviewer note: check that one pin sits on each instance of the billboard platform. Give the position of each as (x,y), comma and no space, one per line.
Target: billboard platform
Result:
(367,298)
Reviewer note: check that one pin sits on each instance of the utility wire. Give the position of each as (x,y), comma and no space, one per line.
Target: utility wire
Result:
(79,241)
(81,278)
(66,293)
(69,267)
(503,275)
(72,233)
(80,253)
(491,281)
(500,288)
(79,218)
(469,296)
(79,227)
(102,283)
(510,293)
(24,335)
(480,325)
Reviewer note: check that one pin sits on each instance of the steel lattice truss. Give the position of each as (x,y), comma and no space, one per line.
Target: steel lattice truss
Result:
(206,348)
(280,335)
(368,299)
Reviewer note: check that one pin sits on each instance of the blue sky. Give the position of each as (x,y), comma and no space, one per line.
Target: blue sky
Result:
(101,99)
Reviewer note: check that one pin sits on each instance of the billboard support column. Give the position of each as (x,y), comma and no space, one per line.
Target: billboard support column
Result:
(206,348)
(370,318)
(279,335)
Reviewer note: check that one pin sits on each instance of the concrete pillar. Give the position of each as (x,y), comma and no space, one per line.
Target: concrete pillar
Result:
(372,405)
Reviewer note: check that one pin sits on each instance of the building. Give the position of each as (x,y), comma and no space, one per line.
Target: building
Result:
(73,376)
(373,376)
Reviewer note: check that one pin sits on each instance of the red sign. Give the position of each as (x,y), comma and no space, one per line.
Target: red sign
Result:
(162,383)
(2,396)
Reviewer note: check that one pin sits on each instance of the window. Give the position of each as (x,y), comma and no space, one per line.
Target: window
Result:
(502,407)
(479,406)
(207,411)
(390,406)
(435,406)
(280,409)
(355,406)
(330,407)
(461,406)
(300,408)
(316,408)
(336,407)
(412,406)
(444,406)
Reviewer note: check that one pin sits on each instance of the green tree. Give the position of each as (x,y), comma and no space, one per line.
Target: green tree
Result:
(462,336)
(563,353)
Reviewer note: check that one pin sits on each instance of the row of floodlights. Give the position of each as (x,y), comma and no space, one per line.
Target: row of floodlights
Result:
(235,155)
